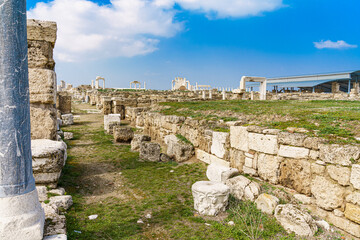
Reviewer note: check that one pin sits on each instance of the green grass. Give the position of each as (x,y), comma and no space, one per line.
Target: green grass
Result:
(336,121)
(167,195)
(183,139)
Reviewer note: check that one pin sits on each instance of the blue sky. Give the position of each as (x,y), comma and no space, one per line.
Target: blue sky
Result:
(206,42)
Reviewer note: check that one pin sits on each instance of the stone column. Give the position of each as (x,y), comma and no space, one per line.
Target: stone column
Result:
(21,216)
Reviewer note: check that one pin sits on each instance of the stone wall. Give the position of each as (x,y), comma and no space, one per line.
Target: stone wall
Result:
(327,176)
(42,79)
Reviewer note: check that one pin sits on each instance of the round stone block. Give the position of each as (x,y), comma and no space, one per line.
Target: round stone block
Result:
(210,198)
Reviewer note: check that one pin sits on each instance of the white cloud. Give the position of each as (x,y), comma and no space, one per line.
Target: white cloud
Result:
(231,8)
(333,45)
(89,31)
(128,28)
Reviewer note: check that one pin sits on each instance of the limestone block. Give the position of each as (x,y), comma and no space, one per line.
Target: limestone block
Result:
(67,119)
(42,86)
(40,55)
(266,203)
(48,159)
(107,106)
(355,176)
(263,143)
(209,158)
(150,151)
(295,220)
(110,127)
(239,138)
(56,237)
(352,212)
(110,118)
(242,188)
(328,195)
(317,169)
(177,149)
(340,174)
(338,213)
(63,103)
(271,131)
(219,140)
(137,140)
(312,143)
(218,173)
(338,154)
(293,152)
(42,193)
(43,121)
(237,159)
(293,139)
(119,109)
(210,198)
(269,167)
(304,199)
(123,134)
(353,198)
(191,133)
(64,201)
(250,171)
(296,174)
(68,135)
(41,30)
(165,158)
(314,154)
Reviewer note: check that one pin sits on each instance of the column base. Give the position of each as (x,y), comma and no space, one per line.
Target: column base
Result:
(21,217)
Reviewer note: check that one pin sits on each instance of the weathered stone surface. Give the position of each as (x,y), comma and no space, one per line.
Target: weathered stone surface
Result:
(355,176)
(68,135)
(353,198)
(123,134)
(40,55)
(263,143)
(293,139)
(304,199)
(42,193)
(64,202)
(250,171)
(237,159)
(271,131)
(243,189)
(137,140)
(267,203)
(317,169)
(63,103)
(219,140)
(340,174)
(312,143)
(296,174)
(210,198)
(110,127)
(177,149)
(41,30)
(269,167)
(165,158)
(111,118)
(150,151)
(239,138)
(49,157)
(337,154)
(67,119)
(293,152)
(352,212)
(42,86)
(209,158)
(43,121)
(56,237)
(328,195)
(218,173)
(295,220)
(314,154)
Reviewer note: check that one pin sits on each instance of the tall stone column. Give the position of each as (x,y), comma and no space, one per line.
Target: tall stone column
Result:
(21,216)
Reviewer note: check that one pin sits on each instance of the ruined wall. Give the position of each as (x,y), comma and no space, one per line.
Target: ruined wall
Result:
(42,79)
(326,175)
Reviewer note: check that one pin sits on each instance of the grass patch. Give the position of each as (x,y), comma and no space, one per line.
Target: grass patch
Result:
(183,139)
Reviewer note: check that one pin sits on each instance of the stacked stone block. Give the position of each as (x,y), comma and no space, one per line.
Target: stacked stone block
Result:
(42,79)
(326,174)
